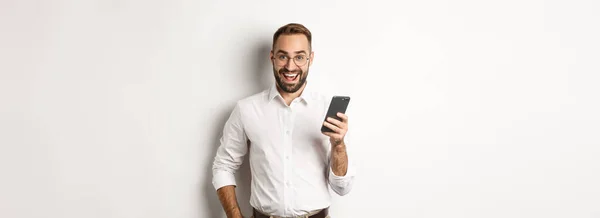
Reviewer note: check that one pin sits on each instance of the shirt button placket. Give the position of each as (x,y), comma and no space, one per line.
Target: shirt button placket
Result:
(288,157)
(287,152)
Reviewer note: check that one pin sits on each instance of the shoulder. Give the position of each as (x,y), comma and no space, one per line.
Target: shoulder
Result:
(252,100)
(321,97)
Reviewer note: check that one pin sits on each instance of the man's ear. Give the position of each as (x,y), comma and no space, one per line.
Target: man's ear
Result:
(312,56)
(271,56)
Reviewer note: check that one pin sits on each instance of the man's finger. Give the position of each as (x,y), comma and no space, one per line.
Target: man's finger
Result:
(332,127)
(333,135)
(343,116)
(336,122)
(330,134)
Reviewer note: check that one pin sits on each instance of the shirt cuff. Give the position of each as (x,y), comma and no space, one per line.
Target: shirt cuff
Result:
(223,178)
(341,181)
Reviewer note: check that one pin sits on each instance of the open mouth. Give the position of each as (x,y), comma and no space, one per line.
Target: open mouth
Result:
(290,77)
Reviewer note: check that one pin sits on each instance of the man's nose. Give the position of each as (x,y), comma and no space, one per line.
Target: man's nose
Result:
(290,65)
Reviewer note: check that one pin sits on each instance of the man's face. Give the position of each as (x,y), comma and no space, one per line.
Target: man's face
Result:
(289,67)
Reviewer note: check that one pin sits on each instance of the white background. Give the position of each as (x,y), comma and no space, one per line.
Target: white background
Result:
(462,109)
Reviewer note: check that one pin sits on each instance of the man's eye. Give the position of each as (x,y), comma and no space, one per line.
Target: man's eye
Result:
(282,57)
(299,58)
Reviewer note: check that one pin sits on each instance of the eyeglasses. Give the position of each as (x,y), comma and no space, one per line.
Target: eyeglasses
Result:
(299,60)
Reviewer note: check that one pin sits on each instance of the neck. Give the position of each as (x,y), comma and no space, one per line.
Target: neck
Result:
(289,97)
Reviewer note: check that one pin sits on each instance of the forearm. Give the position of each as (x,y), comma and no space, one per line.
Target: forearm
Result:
(339,160)
(229,201)
(341,172)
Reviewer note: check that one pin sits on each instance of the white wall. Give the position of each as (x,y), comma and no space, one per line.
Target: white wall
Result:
(459,108)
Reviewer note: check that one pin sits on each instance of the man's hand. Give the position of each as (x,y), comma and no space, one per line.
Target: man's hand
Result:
(339,129)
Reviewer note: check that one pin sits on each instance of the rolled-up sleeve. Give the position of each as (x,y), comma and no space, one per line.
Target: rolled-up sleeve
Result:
(342,184)
(232,149)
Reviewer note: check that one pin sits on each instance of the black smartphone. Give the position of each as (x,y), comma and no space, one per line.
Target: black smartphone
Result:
(338,104)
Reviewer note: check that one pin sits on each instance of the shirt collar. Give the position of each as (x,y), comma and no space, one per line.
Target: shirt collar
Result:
(306,93)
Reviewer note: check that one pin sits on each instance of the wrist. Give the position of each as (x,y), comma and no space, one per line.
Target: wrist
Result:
(339,147)
(235,213)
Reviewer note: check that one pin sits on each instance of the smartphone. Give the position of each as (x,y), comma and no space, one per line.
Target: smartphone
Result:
(338,104)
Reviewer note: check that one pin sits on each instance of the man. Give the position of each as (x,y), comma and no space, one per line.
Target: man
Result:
(292,162)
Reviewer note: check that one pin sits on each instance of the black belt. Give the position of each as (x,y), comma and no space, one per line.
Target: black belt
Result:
(322,214)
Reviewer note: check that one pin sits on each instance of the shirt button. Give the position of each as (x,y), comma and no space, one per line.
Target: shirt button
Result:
(287,157)
(287,132)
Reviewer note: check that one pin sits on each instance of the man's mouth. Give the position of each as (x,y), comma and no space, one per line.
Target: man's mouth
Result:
(289,76)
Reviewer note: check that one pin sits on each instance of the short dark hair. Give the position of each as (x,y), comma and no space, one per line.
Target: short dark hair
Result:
(291,29)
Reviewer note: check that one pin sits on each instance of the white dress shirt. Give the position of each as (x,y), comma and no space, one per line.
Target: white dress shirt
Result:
(289,156)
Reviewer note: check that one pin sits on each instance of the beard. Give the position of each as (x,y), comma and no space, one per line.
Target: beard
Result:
(290,88)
